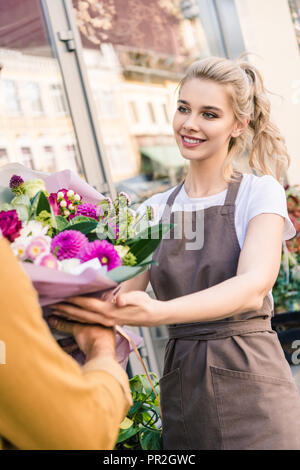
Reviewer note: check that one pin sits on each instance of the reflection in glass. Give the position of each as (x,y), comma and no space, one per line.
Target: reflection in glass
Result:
(34,116)
(11,97)
(34,97)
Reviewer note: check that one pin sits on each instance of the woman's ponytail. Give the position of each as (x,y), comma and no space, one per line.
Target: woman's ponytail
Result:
(268,152)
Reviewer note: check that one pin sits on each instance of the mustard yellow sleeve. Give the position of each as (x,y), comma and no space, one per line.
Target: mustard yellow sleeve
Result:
(47,401)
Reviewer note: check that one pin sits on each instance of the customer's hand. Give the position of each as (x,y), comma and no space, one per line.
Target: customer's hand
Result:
(93,340)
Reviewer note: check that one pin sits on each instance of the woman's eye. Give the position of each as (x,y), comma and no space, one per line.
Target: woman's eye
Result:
(210,115)
(182,109)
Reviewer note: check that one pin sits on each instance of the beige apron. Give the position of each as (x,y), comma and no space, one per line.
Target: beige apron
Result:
(226,383)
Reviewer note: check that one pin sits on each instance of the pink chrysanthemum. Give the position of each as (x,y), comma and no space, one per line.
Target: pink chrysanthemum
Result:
(67,244)
(48,260)
(104,251)
(88,210)
(35,249)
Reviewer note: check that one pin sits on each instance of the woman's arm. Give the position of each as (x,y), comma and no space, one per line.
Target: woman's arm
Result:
(257,272)
(139,282)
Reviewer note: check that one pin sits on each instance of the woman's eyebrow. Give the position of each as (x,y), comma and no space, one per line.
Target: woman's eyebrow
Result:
(213,108)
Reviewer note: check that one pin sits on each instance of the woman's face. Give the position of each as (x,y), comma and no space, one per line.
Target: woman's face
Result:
(204,121)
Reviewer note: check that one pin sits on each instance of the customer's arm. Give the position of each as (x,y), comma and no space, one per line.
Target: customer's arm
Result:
(46,400)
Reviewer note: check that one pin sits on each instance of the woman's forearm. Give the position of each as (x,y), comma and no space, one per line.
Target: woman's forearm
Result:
(239,294)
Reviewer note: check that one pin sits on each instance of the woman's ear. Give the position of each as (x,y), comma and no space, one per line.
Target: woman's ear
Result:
(239,127)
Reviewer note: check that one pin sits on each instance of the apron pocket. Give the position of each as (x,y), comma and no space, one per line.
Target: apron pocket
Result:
(174,431)
(256,411)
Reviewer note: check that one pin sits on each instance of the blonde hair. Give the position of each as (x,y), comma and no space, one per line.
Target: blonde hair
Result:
(262,139)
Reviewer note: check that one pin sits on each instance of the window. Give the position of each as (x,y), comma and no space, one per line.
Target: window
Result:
(26,157)
(34,97)
(59,99)
(118,157)
(106,103)
(71,159)
(11,97)
(134,111)
(151,112)
(48,161)
(166,113)
(3,156)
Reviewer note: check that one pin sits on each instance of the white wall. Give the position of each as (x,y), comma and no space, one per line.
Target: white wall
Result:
(269,32)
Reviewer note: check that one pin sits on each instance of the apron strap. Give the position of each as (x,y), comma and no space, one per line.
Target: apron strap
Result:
(219,329)
(232,192)
(169,203)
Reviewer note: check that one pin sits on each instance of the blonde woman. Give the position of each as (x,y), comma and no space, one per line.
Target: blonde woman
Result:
(226,383)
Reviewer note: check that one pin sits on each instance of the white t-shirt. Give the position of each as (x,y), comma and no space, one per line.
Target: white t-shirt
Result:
(256,195)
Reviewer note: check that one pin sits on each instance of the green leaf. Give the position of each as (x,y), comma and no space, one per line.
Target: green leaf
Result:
(123,273)
(83,227)
(22,205)
(142,248)
(152,232)
(43,204)
(125,434)
(61,223)
(81,218)
(39,203)
(146,385)
(126,423)
(5,195)
(150,439)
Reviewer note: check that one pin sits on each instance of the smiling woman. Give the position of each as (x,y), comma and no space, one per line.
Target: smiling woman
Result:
(226,383)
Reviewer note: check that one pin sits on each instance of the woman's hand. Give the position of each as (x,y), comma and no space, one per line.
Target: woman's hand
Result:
(130,308)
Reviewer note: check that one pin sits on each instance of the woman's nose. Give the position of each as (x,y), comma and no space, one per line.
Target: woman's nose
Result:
(191,123)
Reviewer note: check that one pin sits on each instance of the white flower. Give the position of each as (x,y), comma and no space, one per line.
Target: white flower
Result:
(70,193)
(68,265)
(66,212)
(33,228)
(77,197)
(71,207)
(122,250)
(63,203)
(19,248)
(60,195)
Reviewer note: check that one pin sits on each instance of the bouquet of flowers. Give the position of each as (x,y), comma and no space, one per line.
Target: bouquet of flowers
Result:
(72,240)
(286,291)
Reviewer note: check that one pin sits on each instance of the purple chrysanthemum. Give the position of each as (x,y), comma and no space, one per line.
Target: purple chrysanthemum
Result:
(88,210)
(68,244)
(104,251)
(15,182)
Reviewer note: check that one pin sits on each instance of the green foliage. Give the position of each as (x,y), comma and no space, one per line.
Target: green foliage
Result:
(286,291)
(147,241)
(141,429)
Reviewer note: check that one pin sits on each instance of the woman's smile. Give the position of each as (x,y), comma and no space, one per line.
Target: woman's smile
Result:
(190,142)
